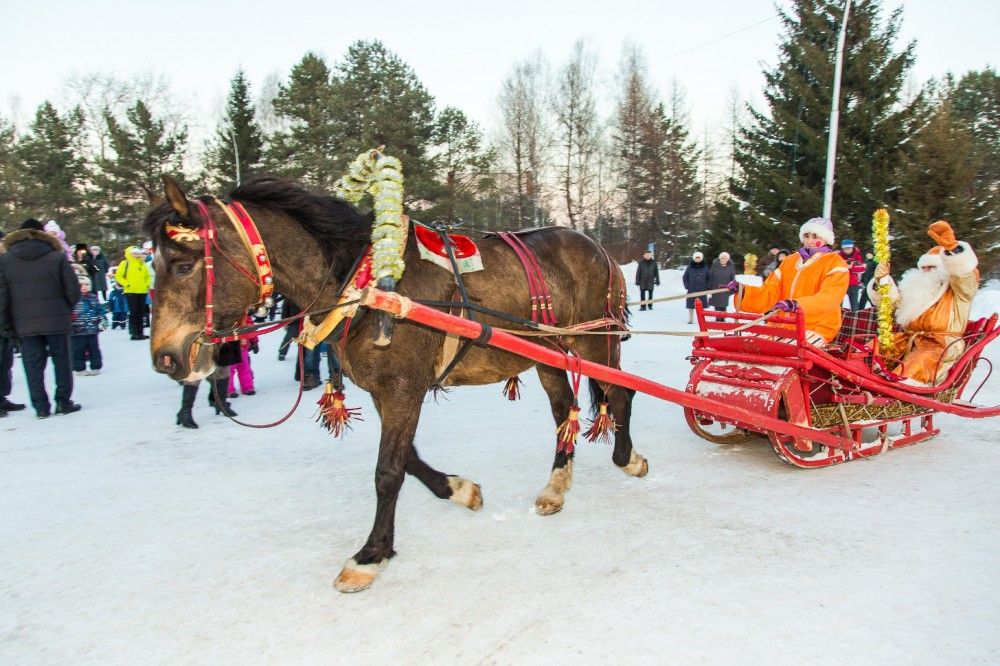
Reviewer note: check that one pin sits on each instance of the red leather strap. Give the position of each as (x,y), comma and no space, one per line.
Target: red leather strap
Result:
(541,297)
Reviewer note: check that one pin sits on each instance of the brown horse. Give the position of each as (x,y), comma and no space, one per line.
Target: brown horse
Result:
(309,236)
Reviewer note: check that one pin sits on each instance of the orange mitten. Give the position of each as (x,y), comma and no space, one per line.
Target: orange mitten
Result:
(942,233)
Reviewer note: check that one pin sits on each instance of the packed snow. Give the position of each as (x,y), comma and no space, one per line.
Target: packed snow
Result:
(126,539)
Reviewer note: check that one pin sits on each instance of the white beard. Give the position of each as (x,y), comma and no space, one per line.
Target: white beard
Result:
(918,291)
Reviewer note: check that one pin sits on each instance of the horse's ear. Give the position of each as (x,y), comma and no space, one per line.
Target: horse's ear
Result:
(176,197)
(154,198)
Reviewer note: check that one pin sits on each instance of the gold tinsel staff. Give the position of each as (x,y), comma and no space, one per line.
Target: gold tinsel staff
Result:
(880,241)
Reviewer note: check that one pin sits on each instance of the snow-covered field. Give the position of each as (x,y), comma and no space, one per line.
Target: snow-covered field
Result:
(125,539)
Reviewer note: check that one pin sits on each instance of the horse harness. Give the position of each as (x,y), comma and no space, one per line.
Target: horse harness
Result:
(263,275)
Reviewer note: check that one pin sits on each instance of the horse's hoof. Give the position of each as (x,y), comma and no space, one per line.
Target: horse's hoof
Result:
(548,502)
(355,577)
(466,493)
(637,466)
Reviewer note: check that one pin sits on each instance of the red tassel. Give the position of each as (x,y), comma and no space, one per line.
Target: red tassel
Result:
(512,388)
(602,426)
(332,414)
(567,432)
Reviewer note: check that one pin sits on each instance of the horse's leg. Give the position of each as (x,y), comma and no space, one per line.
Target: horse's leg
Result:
(619,401)
(446,486)
(551,499)
(398,428)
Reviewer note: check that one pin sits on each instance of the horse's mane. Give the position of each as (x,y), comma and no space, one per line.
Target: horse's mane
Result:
(337,225)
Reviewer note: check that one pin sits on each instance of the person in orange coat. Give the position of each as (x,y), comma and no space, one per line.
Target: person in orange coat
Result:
(814,279)
(932,307)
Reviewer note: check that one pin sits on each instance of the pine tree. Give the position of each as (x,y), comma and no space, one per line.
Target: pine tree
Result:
(142,151)
(937,182)
(462,165)
(239,129)
(975,101)
(377,100)
(10,176)
(633,124)
(52,172)
(782,153)
(306,150)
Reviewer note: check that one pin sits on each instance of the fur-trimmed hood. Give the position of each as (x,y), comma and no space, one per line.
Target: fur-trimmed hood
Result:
(17,243)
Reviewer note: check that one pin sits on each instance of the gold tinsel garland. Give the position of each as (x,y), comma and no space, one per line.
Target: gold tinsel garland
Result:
(749,264)
(880,241)
(382,177)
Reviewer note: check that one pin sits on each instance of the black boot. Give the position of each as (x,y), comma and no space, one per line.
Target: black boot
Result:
(184,417)
(222,406)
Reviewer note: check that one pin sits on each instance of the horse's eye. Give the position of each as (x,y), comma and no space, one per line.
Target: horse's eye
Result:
(183,269)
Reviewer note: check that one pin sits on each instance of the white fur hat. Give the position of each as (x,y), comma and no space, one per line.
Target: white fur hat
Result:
(697,256)
(724,255)
(820,226)
(930,259)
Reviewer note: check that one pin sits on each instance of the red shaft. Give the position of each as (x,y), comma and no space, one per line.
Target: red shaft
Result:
(405,308)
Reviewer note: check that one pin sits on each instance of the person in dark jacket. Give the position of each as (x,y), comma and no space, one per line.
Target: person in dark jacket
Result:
(38,289)
(100,279)
(869,275)
(856,266)
(6,366)
(721,274)
(647,275)
(696,279)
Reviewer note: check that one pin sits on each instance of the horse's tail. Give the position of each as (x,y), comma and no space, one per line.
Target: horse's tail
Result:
(597,396)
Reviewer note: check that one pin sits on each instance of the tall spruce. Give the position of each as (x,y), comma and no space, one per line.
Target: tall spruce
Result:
(633,125)
(306,149)
(782,152)
(52,171)
(377,99)
(669,190)
(237,148)
(142,150)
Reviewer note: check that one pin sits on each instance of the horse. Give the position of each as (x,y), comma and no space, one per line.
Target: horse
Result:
(313,242)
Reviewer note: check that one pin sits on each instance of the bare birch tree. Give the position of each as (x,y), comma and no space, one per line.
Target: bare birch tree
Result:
(523,134)
(577,133)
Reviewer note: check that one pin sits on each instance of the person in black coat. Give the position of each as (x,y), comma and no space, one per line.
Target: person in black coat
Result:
(720,274)
(6,365)
(38,289)
(647,275)
(100,277)
(696,279)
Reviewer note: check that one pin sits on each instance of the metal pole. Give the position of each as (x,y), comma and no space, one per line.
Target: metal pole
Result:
(236,154)
(831,146)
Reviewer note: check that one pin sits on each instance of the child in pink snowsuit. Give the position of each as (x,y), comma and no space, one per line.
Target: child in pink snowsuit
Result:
(243,368)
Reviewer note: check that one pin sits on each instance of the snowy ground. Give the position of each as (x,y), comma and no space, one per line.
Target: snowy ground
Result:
(125,539)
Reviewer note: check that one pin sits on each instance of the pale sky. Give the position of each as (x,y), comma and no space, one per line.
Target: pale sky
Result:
(460,50)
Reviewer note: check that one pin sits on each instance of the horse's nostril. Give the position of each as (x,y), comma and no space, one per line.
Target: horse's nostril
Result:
(167,361)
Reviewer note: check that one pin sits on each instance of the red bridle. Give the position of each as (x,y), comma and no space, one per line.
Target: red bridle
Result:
(264,277)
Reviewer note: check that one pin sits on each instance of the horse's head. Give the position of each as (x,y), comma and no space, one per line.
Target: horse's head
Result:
(178,345)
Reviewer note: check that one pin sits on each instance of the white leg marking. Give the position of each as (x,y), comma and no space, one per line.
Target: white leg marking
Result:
(551,499)
(465,493)
(355,577)
(637,465)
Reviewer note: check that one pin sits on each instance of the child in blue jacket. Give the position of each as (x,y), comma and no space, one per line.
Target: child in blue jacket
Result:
(118,305)
(88,321)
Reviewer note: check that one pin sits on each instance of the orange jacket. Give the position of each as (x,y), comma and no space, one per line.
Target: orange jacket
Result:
(818,285)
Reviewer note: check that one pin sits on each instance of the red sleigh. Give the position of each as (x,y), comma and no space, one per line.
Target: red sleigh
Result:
(771,370)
